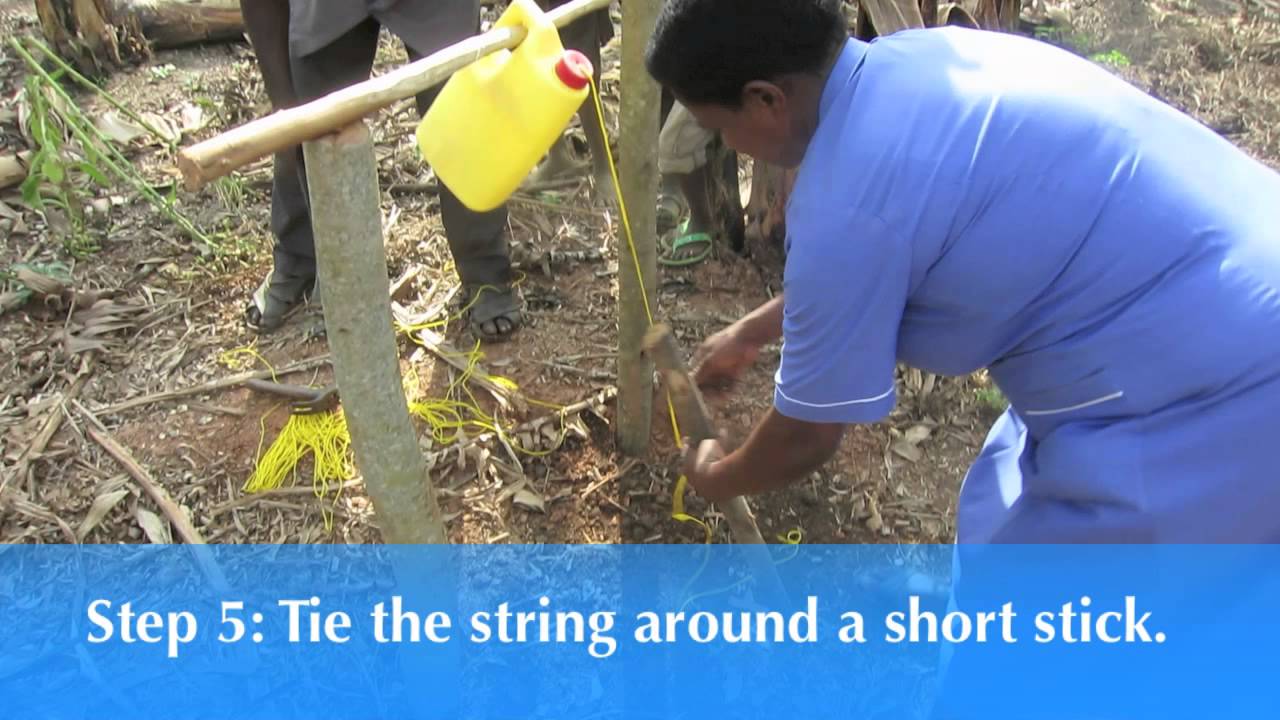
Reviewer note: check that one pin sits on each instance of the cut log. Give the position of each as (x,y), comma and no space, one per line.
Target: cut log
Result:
(98,35)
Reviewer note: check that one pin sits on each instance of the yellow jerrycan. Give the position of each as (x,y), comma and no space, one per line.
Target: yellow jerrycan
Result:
(497,117)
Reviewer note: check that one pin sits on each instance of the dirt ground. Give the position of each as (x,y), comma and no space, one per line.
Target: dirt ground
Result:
(176,323)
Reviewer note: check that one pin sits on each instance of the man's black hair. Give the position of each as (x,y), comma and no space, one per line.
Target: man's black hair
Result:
(705,51)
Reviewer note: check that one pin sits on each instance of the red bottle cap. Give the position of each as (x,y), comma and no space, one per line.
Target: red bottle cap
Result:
(574,69)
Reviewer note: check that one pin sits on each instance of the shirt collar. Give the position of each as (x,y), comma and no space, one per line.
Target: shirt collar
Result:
(842,73)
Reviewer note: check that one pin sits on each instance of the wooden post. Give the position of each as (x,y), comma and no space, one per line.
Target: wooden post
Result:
(638,128)
(352,270)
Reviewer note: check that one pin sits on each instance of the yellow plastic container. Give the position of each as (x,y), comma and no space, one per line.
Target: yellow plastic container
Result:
(495,119)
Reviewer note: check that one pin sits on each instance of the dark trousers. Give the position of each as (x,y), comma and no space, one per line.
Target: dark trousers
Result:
(478,241)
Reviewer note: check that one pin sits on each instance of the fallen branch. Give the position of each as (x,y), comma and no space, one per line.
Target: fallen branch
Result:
(172,510)
(213,385)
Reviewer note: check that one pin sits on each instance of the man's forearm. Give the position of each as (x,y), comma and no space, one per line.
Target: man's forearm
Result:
(779,452)
(762,325)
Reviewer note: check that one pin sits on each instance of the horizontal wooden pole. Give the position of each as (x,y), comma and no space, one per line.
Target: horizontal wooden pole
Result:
(218,156)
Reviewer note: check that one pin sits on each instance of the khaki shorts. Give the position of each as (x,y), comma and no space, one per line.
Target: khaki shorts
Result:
(682,144)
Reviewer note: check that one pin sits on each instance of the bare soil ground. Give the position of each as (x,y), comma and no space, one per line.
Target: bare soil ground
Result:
(179,324)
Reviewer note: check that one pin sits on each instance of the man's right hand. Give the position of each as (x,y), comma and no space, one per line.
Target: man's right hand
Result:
(722,358)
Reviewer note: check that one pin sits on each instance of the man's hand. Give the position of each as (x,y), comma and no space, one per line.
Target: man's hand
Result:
(779,451)
(722,358)
(700,460)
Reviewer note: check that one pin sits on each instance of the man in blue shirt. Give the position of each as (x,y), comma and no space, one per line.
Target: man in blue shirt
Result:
(969,199)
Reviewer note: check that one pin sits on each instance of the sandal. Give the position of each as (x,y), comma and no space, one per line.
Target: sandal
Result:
(277,299)
(671,256)
(491,307)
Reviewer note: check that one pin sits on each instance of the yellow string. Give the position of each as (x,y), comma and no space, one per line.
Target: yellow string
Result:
(677,496)
(230,358)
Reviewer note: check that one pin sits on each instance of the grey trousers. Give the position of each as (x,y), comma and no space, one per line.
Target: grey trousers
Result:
(478,241)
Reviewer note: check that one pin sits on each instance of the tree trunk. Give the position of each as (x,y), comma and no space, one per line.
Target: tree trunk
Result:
(98,35)
(639,132)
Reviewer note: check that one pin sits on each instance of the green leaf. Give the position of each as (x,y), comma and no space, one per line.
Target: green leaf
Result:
(1114,58)
(31,192)
(53,171)
(31,186)
(37,125)
(92,171)
(53,138)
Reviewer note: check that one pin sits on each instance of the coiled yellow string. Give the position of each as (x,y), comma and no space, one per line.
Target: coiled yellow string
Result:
(325,438)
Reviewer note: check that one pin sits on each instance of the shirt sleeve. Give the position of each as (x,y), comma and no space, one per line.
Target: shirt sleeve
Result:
(845,287)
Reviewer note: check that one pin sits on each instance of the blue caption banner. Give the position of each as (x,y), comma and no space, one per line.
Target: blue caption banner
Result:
(628,631)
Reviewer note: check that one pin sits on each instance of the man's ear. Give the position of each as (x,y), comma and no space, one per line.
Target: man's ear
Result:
(761,95)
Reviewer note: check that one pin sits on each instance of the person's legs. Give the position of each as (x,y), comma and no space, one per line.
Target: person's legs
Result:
(267,24)
(682,160)
(481,253)
(291,81)
(586,35)
(291,281)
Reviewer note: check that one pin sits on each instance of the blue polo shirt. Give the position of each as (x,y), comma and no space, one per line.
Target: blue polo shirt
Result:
(974,199)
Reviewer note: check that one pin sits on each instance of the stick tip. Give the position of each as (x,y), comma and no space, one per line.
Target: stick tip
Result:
(192,177)
(655,335)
